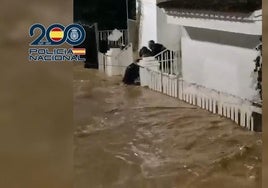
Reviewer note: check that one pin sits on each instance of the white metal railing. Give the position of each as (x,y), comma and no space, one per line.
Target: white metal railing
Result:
(124,49)
(103,35)
(169,62)
(114,63)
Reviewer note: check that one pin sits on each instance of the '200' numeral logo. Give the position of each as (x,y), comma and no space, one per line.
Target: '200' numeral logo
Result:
(57,34)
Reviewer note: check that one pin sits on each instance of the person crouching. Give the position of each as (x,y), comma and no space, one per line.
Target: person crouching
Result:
(132,74)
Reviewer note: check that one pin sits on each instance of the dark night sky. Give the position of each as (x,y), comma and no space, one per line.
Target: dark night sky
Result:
(109,14)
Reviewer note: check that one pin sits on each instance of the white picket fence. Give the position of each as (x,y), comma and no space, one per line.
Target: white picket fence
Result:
(103,35)
(237,109)
(169,82)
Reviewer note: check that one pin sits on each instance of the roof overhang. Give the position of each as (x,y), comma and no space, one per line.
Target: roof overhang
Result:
(230,22)
(242,6)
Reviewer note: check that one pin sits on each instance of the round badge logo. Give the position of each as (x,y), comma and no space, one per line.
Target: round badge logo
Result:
(74,35)
(56,34)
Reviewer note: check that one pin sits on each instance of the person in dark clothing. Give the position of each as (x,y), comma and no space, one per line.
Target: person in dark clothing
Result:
(132,74)
(145,52)
(164,59)
(155,47)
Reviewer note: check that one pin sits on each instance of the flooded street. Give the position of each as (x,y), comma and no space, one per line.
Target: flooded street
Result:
(132,137)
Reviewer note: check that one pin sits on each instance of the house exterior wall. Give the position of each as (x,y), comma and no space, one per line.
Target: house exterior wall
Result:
(148,25)
(154,26)
(133,33)
(218,57)
(219,60)
(168,34)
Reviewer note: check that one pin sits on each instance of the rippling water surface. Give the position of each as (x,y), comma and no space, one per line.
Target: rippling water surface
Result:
(131,137)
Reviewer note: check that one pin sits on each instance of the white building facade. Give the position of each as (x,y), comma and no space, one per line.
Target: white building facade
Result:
(216,50)
(219,54)
(154,26)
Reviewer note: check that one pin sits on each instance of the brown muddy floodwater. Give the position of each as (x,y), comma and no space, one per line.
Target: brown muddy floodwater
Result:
(132,137)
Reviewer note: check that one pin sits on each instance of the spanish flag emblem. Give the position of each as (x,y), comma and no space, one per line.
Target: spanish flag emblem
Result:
(79,51)
(56,34)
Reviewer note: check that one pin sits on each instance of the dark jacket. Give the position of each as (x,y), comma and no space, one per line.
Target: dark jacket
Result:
(157,48)
(131,74)
(145,52)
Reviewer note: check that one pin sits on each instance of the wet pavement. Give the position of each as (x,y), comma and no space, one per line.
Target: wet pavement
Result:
(132,137)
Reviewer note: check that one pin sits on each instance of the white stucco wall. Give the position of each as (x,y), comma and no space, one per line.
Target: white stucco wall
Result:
(167,34)
(154,26)
(133,33)
(148,25)
(219,60)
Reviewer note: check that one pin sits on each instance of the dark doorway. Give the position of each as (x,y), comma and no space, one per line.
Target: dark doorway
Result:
(108,15)
(91,46)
